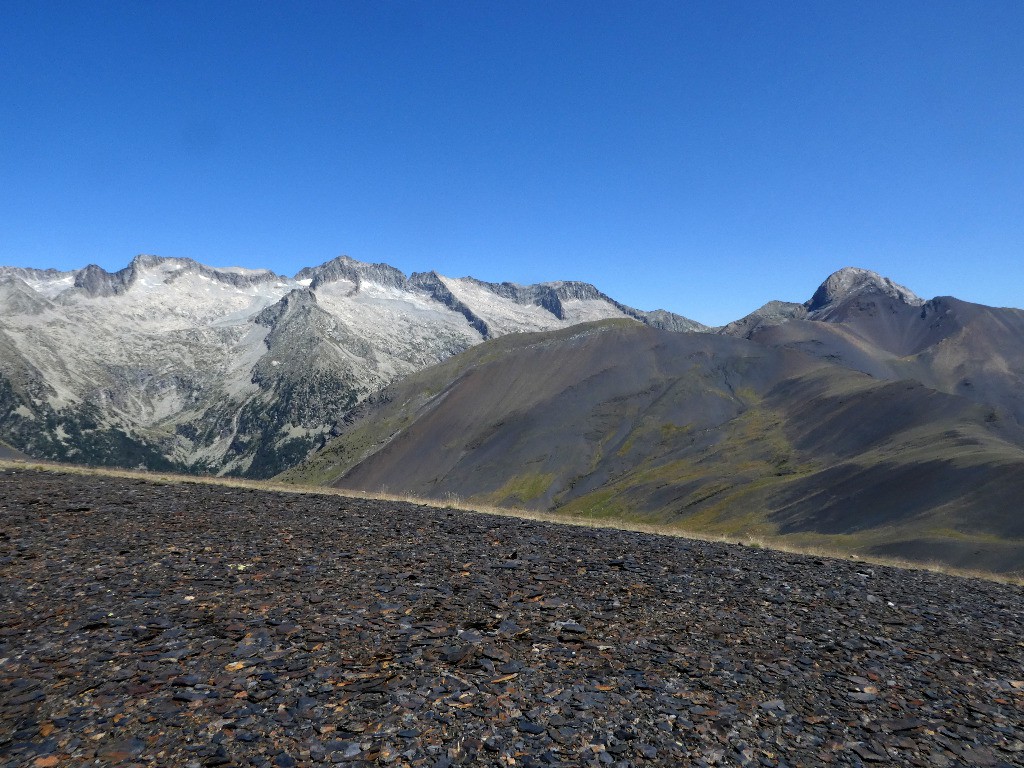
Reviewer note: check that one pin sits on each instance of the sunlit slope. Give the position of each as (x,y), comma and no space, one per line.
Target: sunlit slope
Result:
(708,432)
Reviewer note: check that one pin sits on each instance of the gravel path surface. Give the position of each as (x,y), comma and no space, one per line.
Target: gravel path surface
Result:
(193,625)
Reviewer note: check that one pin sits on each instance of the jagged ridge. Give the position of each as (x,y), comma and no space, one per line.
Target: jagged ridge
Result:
(174,364)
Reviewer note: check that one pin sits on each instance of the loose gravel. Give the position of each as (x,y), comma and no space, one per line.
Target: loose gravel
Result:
(194,625)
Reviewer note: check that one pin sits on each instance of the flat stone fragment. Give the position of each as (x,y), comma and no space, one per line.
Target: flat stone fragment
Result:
(526,726)
(868,754)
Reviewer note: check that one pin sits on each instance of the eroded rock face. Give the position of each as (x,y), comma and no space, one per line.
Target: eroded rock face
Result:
(169,363)
(346,268)
(175,624)
(850,282)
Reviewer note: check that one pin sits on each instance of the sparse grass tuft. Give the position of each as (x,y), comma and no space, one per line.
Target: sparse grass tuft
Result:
(523,488)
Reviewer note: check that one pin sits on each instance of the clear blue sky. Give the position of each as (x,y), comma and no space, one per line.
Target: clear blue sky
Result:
(703,157)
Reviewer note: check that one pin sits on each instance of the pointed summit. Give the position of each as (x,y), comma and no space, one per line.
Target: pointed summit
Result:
(358,272)
(852,281)
(292,303)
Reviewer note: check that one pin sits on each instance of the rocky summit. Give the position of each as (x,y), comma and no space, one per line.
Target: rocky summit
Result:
(196,625)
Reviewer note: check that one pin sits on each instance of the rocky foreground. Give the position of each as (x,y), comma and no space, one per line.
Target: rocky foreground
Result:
(193,625)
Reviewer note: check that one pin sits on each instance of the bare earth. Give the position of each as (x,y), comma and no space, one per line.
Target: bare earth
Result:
(191,625)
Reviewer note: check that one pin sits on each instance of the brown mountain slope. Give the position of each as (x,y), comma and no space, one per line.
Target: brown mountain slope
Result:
(950,345)
(710,432)
(865,322)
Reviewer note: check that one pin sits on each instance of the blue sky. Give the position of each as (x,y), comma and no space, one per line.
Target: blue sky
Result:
(703,157)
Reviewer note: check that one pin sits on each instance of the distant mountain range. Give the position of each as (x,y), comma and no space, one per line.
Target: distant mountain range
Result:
(865,413)
(170,364)
(865,417)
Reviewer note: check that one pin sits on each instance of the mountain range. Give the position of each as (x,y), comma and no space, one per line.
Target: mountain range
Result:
(173,365)
(865,417)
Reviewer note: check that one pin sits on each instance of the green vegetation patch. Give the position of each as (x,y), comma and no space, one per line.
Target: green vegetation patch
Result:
(719,489)
(521,489)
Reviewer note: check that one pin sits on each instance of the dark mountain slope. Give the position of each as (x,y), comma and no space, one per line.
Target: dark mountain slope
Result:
(951,345)
(868,323)
(722,434)
(871,306)
(980,354)
(7,453)
(565,405)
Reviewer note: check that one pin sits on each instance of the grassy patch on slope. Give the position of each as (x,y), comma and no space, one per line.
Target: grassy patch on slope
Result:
(806,544)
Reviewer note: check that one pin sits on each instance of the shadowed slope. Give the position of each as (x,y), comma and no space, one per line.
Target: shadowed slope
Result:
(8,453)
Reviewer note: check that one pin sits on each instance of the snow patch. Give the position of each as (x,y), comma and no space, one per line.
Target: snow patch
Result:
(51,287)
